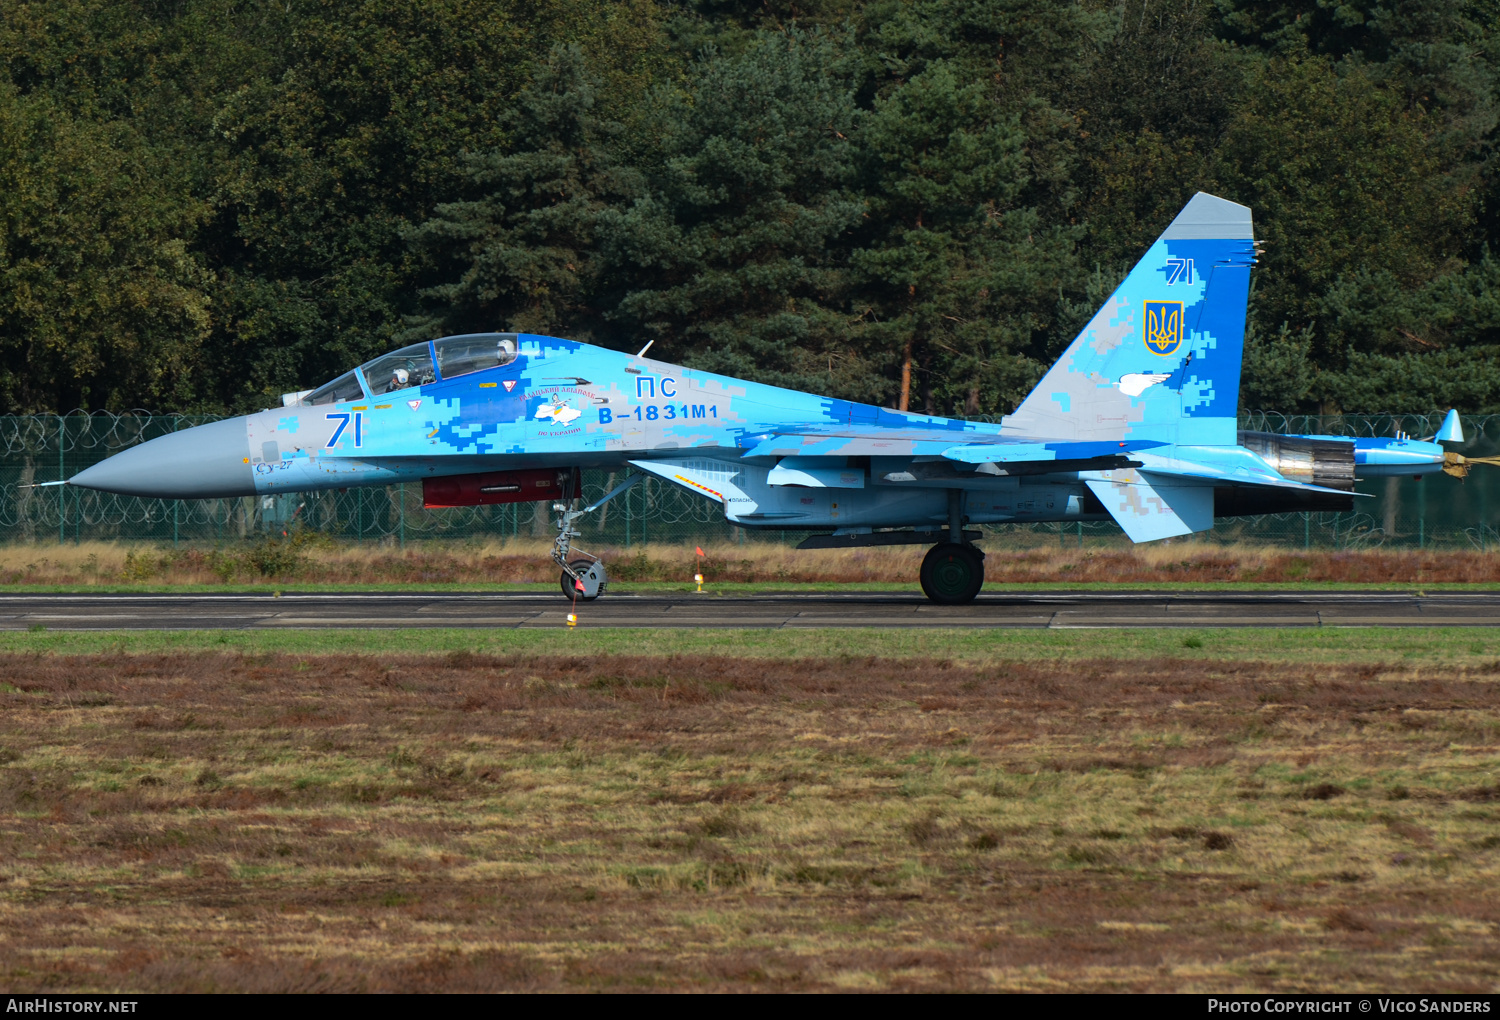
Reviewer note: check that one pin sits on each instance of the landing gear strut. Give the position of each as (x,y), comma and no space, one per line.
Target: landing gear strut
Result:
(952,573)
(582,576)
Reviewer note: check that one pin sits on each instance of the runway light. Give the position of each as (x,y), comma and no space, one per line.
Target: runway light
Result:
(572,619)
(699,579)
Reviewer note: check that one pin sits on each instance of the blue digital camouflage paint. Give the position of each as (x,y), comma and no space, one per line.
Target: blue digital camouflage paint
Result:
(1136,422)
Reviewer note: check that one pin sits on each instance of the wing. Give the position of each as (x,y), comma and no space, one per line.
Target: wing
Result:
(1015,454)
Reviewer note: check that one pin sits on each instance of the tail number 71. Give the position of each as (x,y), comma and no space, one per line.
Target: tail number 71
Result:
(1179,271)
(344,418)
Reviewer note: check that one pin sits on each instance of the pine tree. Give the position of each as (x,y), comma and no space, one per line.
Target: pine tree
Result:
(732,259)
(525,253)
(956,274)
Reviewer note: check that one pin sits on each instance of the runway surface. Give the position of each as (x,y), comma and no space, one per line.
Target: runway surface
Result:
(824,609)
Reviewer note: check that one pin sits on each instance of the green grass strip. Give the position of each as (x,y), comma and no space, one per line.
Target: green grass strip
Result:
(1457,646)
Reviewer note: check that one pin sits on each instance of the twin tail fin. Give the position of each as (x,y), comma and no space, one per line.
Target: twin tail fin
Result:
(1161,359)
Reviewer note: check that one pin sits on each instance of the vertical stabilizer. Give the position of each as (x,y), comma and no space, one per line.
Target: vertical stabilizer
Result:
(1161,359)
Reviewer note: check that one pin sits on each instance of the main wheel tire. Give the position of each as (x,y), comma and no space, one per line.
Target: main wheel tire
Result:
(952,573)
(594,583)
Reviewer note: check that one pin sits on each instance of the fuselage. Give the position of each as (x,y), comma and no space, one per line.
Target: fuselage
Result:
(1136,422)
(559,402)
(548,402)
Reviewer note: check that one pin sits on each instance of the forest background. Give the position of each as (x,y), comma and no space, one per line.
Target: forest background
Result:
(206,203)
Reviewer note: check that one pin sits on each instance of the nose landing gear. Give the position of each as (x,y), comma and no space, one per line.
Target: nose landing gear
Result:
(582,576)
(952,573)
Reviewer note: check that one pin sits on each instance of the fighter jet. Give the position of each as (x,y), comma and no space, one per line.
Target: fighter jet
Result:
(1135,423)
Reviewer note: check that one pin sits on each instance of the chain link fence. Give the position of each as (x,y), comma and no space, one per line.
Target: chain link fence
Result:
(1404,512)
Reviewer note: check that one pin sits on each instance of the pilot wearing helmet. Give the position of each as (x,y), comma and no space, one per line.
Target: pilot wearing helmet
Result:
(398,380)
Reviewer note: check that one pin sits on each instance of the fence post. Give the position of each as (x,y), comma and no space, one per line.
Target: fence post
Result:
(176,503)
(1484,539)
(62,474)
(402,497)
(1421,513)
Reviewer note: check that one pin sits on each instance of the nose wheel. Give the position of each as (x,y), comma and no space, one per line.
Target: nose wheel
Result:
(952,573)
(589,583)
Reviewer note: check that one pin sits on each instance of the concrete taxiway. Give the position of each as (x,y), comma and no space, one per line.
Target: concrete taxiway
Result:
(261,611)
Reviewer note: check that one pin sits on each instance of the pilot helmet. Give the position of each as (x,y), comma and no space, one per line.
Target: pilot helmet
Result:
(400,376)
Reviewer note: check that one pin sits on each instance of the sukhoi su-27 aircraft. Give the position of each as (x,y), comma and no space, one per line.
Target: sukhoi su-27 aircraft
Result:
(1135,423)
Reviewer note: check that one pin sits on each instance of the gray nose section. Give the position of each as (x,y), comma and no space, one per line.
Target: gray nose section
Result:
(205,462)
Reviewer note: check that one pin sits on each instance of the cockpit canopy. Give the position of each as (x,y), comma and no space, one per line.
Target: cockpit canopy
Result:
(410,366)
(417,365)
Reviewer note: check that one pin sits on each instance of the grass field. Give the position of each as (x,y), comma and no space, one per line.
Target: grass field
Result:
(733,810)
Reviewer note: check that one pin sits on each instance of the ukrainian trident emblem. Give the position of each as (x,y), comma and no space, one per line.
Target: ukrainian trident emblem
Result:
(1163,326)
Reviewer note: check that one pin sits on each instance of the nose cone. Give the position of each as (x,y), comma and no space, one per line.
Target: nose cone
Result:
(205,462)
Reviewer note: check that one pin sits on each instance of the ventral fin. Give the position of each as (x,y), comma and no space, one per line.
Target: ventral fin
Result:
(1148,512)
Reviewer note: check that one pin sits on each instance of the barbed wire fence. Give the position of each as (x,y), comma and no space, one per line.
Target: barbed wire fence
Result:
(1438,511)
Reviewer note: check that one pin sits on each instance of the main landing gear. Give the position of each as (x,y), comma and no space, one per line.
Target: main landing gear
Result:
(952,573)
(582,576)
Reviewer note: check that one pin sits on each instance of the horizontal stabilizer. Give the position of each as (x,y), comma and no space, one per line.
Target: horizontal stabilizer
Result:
(1232,465)
(1147,512)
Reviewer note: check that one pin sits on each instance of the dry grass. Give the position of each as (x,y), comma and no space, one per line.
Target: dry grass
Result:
(201,821)
(313,561)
